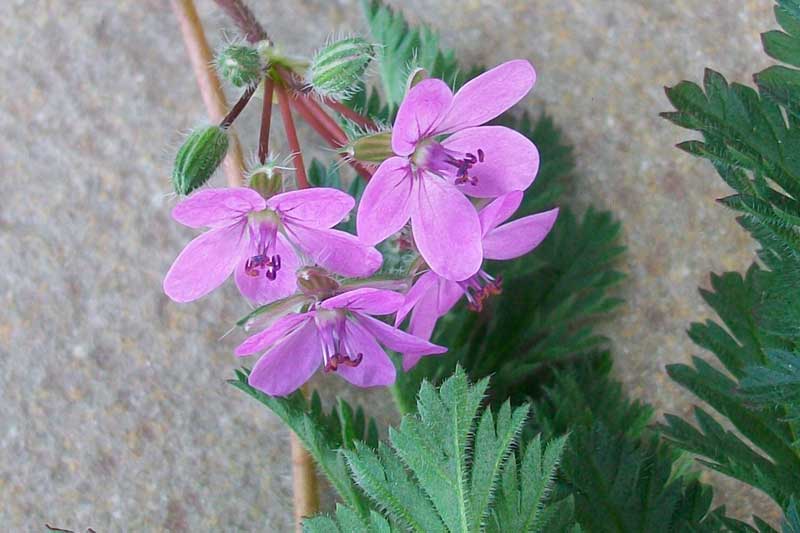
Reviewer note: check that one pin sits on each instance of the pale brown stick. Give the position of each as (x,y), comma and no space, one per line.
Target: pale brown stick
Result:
(210,88)
(304,474)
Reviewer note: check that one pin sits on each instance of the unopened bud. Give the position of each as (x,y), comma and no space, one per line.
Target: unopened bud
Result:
(337,69)
(240,65)
(374,148)
(315,281)
(417,75)
(198,158)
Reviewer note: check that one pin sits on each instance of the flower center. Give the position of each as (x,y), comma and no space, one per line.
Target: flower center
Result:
(480,287)
(432,156)
(263,229)
(337,348)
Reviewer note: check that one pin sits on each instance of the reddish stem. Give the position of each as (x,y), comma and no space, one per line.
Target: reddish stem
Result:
(350,114)
(291,136)
(244,20)
(300,104)
(266,121)
(237,108)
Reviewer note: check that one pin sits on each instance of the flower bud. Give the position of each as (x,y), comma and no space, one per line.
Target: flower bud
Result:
(337,69)
(373,148)
(315,281)
(266,179)
(198,158)
(240,65)
(415,76)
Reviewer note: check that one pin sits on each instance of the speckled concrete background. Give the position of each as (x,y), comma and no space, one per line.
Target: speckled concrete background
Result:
(114,412)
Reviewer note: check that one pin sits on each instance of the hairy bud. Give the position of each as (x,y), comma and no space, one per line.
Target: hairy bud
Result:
(198,158)
(337,68)
(316,282)
(373,148)
(267,179)
(240,65)
(415,76)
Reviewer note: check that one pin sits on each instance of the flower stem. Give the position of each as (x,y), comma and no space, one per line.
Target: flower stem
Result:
(210,87)
(306,492)
(266,121)
(350,114)
(244,19)
(291,137)
(238,107)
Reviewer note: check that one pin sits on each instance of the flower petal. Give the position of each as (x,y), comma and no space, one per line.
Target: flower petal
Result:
(337,251)
(317,207)
(511,161)
(276,332)
(423,322)
(288,365)
(499,210)
(487,96)
(205,263)
(375,369)
(259,289)
(217,207)
(426,282)
(420,112)
(398,340)
(366,300)
(446,229)
(384,206)
(518,237)
(449,294)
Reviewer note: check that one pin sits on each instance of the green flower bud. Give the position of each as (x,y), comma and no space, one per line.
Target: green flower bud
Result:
(240,65)
(198,158)
(337,69)
(415,76)
(373,148)
(266,179)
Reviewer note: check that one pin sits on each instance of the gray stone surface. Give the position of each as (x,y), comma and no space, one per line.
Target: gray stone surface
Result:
(114,411)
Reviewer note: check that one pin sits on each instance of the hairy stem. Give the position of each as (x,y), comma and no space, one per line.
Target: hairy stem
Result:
(266,121)
(350,114)
(210,88)
(291,137)
(245,20)
(237,108)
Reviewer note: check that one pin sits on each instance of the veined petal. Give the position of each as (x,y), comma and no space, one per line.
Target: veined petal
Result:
(511,161)
(217,207)
(423,321)
(337,251)
(426,282)
(488,95)
(419,114)
(276,332)
(205,263)
(260,289)
(398,340)
(518,237)
(375,369)
(384,206)
(289,364)
(449,294)
(499,210)
(446,229)
(317,207)
(366,300)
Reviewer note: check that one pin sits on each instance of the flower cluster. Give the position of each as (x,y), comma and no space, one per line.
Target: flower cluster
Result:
(454,179)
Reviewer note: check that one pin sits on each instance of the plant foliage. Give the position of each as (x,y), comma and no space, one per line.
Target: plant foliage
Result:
(752,139)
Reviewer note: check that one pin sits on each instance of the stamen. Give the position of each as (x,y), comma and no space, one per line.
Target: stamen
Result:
(270,265)
(464,165)
(479,288)
(340,359)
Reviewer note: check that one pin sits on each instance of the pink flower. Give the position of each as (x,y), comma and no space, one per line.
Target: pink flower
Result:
(432,296)
(427,179)
(338,334)
(263,242)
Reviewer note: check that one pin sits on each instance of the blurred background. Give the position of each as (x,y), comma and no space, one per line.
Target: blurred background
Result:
(114,411)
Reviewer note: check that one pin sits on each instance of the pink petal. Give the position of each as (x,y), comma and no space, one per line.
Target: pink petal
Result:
(217,207)
(366,300)
(205,263)
(426,282)
(318,207)
(499,210)
(336,250)
(518,237)
(511,161)
(288,365)
(261,290)
(375,369)
(487,96)
(420,112)
(449,294)
(384,207)
(398,340)
(423,322)
(446,229)
(276,332)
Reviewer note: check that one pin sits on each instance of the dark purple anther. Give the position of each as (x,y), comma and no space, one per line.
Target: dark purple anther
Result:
(464,165)
(480,155)
(340,359)
(271,265)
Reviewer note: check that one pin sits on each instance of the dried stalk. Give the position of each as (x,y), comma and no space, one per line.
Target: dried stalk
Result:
(210,88)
